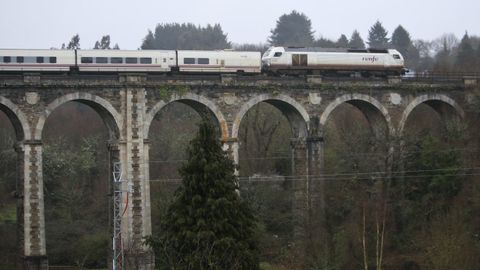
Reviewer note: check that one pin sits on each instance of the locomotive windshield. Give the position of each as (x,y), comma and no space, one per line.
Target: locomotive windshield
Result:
(267,52)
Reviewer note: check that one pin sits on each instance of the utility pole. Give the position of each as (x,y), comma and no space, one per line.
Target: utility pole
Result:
(118,211)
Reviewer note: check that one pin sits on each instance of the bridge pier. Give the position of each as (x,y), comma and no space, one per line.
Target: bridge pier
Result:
(134,152)
(30,207)
(308,190)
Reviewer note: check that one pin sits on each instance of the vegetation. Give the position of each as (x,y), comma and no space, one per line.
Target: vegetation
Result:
(293,29)
(413,210)
(208,225)
(175,36)
(356,41)
(377,36)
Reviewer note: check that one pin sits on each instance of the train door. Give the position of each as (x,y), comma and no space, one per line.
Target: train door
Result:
(299,60)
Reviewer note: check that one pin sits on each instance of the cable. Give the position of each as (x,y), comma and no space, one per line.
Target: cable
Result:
(468,150)
(335,177)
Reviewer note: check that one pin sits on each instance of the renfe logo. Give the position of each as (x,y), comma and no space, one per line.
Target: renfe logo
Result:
(372,59)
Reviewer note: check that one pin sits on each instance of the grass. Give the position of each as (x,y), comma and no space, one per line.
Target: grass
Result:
(8,214)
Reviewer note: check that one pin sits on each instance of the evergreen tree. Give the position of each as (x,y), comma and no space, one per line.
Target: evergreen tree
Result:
(356,41)
(377,36)
(172,36)
(149,41)
(401,40)
(444,45)
(465,60)
(208,225)
(294,29)
(342,42)
(73,44)
(103,44)
(324,43)
(478,58)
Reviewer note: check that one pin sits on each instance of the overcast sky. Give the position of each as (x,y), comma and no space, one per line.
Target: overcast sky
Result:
(49,23)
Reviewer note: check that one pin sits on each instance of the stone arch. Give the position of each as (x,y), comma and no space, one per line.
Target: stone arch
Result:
(110,116)
(443,105)
(294,111)
(373,110)
(17,118)
(203,106)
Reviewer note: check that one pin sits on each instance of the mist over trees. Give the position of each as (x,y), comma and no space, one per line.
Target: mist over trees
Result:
(294,29)
(377,36)
(104,44)
(442,55)
(356,41)
(186,36)
(446,54)
(74,43)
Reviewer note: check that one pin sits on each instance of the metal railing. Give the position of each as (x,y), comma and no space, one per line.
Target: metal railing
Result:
(440,77)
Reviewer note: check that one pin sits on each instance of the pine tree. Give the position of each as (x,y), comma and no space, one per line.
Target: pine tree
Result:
(356,41)
(401,40)
(208,225)
(294,29)
(74,43)
(186,36)
(377,36)
(103,44)
(478,58)
(324,43)
(342,42)
(465,60)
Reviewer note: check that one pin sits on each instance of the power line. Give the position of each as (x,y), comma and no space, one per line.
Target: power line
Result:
(349,176)
(385,154)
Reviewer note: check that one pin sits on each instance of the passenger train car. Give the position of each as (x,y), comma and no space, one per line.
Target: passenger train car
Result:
(125,61)
(186,61)
(321,60)
(36,60)
(276,60)
(225,61)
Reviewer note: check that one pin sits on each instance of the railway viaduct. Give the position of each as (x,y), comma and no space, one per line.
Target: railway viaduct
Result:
(128,103)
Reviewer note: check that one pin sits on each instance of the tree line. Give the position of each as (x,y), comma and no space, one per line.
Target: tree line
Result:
(445,54)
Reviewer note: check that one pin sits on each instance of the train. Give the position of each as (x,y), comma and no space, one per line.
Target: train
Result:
(275,61)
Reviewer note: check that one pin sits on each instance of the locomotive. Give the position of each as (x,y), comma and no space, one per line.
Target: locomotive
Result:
(281,60)
(276,60)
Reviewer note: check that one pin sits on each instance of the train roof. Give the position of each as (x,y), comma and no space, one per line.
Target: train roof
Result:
(320,49)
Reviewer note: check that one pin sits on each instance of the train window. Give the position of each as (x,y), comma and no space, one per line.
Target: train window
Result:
(145,60)
(86,60)
(277,54)
(164,60)
(131,60)
(101,60)
(53,60)
(116,60)
(7,59)
(20,59)
(203,61)
(30,59)
(40,59)
(189,60)
(396,56)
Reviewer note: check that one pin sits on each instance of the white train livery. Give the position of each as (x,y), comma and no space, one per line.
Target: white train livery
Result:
(276,60)
(321,60)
